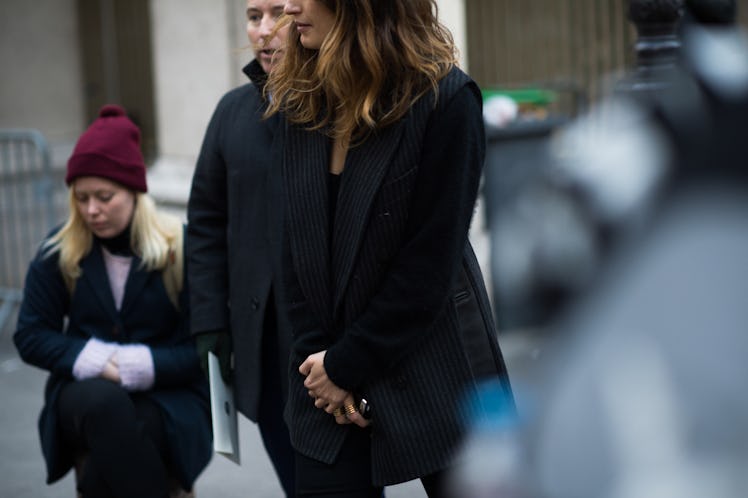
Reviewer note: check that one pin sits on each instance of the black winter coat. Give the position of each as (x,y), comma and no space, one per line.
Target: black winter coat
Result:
(227,233)
(393,292)
(147,316)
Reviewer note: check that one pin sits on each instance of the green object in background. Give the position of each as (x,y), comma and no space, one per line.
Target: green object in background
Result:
(523,96)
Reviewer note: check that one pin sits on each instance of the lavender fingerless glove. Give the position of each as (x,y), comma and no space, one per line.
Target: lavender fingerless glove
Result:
(136,369)
(92,359)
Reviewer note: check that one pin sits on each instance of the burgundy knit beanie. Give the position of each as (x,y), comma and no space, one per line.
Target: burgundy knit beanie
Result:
(110,148)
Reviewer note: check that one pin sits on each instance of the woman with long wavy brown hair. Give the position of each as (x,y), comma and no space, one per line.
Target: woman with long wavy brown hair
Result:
(380,159)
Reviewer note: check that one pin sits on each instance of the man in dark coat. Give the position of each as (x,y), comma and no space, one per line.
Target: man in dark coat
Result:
(229,255)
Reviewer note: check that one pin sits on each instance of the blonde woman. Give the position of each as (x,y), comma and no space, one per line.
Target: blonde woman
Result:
(380,162)
(105,312)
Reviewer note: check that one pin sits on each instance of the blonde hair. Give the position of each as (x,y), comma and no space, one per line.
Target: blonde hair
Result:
(155,237)
(379,58)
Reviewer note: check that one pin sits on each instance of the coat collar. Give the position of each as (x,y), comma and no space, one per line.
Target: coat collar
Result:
(367,165)
(93,272)
(306,157)
(256,75)
(304,167)
(136,281)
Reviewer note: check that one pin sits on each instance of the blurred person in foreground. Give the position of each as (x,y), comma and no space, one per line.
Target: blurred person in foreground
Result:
(380,158)
(643,387)
(230,235)
(105,310)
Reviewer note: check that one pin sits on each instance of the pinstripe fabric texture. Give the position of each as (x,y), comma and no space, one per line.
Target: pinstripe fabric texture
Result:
(371,217)
(307,194)
(359,185)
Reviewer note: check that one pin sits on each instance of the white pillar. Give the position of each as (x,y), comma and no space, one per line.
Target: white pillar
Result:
(191,65)
(452,15)
(196,59)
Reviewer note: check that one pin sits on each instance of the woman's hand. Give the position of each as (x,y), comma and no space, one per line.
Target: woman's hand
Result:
(348,415)
(327,396)
(111,370)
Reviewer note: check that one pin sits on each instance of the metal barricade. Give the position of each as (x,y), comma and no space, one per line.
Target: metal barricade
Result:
(27,210)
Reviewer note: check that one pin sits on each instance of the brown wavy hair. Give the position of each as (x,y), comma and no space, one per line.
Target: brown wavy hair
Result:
(379,58)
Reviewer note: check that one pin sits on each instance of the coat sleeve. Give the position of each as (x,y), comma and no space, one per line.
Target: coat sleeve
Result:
(207,215)
(39,336)
(178,364)
(418,283)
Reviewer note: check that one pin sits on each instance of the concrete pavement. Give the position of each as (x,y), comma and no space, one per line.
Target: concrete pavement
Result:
(22,473)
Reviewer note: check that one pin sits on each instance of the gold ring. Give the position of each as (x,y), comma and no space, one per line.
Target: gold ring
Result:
(350,409)
(338,412)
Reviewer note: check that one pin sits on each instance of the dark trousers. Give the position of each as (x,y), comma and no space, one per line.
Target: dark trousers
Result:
(350,475)
(122,437)
(270,421)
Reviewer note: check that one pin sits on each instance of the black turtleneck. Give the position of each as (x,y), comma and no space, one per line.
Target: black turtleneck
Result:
(119,244)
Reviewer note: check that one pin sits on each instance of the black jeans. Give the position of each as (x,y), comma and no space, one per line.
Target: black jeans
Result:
(122,436)
(350,475)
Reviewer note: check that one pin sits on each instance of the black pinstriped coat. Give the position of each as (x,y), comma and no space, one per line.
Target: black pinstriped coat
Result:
(393,292)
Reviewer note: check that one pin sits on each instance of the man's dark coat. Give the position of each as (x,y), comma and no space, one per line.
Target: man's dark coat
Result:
(228,249)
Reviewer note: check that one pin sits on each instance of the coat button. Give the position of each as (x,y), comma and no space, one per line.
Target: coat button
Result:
(115,330)
(255,304)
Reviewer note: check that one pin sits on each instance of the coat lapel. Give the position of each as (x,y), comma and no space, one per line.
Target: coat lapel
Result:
(136,280)
(93,273)
(366,165)
(305,168)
